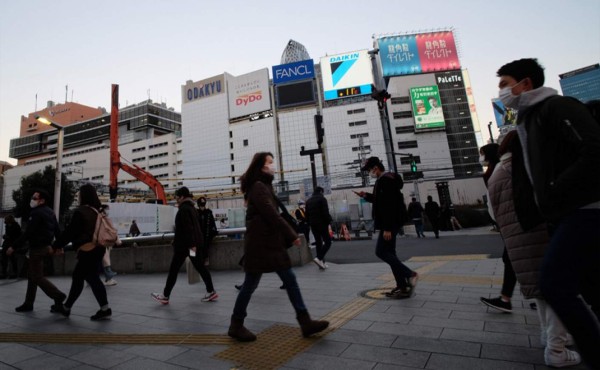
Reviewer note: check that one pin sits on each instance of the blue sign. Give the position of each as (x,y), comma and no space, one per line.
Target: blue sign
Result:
(303,70)
(399,55)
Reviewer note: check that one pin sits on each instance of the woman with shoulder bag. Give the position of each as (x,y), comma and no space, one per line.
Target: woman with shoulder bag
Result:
(265,248)
(80,232)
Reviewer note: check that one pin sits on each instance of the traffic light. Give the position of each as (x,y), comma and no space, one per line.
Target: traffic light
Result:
(381,96)
(319,128)
(413,166)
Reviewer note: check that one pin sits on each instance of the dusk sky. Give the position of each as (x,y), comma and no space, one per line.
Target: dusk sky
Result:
(150,48)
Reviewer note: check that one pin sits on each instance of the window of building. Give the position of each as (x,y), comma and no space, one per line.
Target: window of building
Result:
(400,100)
(407,160)
(230,134)
(139,159)
(231,145)
(359,148)
(403,114)
(232,168)
(245,142)
(135,150)
(231,156)
(405,129)
(355,111)
(356,136)
(408,144)
(357,123)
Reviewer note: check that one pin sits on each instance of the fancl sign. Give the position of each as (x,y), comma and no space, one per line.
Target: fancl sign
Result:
(192,91)
(303,70)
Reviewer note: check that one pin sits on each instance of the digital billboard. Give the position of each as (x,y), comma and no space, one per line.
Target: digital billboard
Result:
(346,75)
(302,70)
(248,93)
(419,53)
(427,107)
(504,116)
(202,89)
(294,94)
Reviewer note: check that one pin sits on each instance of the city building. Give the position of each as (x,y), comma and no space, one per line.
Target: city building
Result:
(149,137)
(583,83)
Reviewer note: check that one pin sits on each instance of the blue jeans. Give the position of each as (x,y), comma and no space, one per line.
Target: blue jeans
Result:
(385,250)
(251,283)
(570,268)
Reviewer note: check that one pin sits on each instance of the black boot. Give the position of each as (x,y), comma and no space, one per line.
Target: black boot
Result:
(238,331)
(309,326)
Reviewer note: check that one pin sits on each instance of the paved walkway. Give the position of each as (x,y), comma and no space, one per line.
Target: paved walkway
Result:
(443,327)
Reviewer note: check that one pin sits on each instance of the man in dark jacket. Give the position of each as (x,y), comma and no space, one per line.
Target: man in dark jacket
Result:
(432,210)
(561,149)
(415,212)
(318,217)
(41,230)
(12,232)
(389,213)
(303,226)
(207,222)
(188,242)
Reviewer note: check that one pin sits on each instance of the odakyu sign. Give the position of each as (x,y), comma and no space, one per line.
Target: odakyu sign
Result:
(192,91)
(296,71)
(248,93)
(346,75)
(419,53)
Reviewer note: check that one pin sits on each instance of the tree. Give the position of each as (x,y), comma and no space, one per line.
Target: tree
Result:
(42,180)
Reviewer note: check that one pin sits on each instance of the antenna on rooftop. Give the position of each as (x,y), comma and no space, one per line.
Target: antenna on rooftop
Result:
(66,93)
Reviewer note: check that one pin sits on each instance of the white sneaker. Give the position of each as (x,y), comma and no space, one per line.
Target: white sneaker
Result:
(110,282)
(325,264)
(319,263)
(561,359)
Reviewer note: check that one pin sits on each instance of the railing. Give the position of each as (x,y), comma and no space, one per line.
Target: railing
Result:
(170,236)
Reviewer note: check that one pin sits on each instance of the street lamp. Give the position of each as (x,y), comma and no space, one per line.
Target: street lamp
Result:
(59,152)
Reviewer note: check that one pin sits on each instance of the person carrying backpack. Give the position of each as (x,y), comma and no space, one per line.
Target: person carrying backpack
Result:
(81,232)
(389,213)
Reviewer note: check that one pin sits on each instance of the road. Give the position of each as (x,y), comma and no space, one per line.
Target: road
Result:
(363,251)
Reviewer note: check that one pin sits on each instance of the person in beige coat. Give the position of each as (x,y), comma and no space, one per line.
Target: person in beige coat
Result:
(526,250)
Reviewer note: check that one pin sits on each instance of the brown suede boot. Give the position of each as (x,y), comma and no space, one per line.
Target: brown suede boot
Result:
(239,332)
(310,327)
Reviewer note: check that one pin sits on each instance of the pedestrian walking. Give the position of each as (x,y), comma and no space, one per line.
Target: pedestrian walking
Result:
(188,242)
(41,230)
(207,222)
(265,249)
(389,213)
(561,148)
(319,219)
(80,232)
(134,230)
(303,226)
(12,232)
(432,210)
(415,212)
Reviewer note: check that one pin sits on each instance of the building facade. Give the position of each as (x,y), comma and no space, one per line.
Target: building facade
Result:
(583,83)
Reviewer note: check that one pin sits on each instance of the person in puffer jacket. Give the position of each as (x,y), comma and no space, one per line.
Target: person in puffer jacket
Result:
(526,251)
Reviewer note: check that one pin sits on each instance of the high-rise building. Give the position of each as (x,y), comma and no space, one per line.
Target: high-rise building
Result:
(583,83)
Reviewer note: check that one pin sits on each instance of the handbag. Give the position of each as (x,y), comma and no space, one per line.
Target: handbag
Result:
(286,215)
(192,275)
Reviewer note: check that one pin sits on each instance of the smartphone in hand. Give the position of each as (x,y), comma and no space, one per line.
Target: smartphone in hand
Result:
(192,253)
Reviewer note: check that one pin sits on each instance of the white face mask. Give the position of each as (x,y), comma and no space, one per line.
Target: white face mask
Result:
(482,160)
(508,98)
(33,203)
(271,169)
(373,174)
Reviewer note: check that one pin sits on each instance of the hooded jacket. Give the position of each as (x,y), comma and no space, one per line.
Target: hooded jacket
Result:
(389,210)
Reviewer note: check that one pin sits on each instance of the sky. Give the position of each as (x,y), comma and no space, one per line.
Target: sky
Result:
(151,47)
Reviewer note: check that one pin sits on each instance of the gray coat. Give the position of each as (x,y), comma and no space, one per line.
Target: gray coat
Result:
(525,248)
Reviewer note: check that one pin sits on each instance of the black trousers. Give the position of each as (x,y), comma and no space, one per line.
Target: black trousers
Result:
(6,259)
(86,269)
(177,261)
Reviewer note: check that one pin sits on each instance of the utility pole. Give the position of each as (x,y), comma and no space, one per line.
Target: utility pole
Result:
(490,130)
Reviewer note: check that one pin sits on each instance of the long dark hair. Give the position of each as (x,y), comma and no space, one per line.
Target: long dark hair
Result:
(490,153)
(89,197)
(254,170)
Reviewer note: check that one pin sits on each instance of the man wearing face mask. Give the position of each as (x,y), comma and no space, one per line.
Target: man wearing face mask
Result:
(389,213)
(561,149)
(41,230)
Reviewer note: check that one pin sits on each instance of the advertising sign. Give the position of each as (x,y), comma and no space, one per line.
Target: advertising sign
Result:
(192,91)
(346,75)
(248,93)
(427,108)
(420,53)
(504,116)
(295,94)
(302,70)
(399,55)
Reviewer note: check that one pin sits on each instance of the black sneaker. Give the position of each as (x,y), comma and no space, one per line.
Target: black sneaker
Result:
(400,293)
(102,315)
(61,309)
(498,304)
(24,308)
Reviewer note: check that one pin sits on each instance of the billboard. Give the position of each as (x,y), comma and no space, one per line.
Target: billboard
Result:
(248,93)
(419,53)
(290,95)
(346,75)
(302,70)
(504,115)
(192,91)
(427,108)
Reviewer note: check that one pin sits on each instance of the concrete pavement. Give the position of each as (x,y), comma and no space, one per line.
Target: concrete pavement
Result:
(443,327)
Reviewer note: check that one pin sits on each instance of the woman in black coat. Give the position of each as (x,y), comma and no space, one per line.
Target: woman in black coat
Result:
(265,248)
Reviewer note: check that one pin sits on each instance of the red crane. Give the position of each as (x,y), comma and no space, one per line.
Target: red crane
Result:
(115,157)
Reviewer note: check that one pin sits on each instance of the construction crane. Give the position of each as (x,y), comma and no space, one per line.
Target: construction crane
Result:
(115,157)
